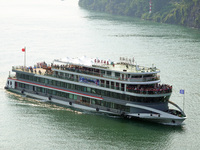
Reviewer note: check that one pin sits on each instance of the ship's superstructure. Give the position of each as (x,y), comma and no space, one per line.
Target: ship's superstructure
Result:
(121,88)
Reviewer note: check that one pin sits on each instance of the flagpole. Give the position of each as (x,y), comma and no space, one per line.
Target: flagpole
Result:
(24,57)
(183,92)
(184,101)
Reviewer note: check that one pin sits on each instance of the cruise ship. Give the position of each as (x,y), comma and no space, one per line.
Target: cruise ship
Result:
(117,88)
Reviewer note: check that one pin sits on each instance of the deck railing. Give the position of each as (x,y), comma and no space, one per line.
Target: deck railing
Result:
(87,72)
(168,89)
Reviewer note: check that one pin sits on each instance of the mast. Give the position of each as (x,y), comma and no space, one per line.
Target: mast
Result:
(24,50)
(25,57)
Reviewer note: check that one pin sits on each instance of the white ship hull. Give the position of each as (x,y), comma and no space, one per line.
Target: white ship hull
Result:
(162,117)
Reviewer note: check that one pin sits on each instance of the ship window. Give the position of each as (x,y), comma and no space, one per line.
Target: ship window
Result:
(38,89)
(102,103)
(18,75)
(71,96)
(108,93)
(86,99)
(103,92)
(47,81)
(122,96)
(62,94)
(54,83)
(26,86)
(117,74)
(75,97)
(149,99)
(31,78)
(62,84)
(42,80)
(69,86)
(58,83)
(54,92)
(108,73)
(148,75)
(66,85)
(112,105)
(49,91)
(103,72)
(92,101)
(38,79)
(57,93)
(34,78)
(67,95)
(88,89)
(75,87)
(108,104)
(128,97)
(98,91)
(84,89)
(117,106)
(81,88)
(27,77)
(8,82)
(23,76)
(93,91)
(111,94)
(116,95)
(136,76)
(66,74)
(97,102)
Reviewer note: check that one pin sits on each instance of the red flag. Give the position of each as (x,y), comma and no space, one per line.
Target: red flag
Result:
(23,49)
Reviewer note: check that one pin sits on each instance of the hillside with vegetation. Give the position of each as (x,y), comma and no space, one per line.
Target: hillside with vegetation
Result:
(181,12)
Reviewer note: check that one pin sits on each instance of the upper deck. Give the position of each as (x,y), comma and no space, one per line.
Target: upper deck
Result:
(27,72)
(104,71)
(124,67)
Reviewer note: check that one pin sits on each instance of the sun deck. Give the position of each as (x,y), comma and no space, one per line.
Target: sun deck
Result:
(129,68)
(115,67)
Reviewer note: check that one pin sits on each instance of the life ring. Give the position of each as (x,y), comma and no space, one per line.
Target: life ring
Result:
(70,103)
(97,109)
(49,97)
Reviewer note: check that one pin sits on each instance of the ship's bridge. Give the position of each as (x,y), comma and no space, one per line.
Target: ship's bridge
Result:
(107,69)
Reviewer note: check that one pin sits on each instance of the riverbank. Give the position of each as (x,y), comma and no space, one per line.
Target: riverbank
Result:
(180,12)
